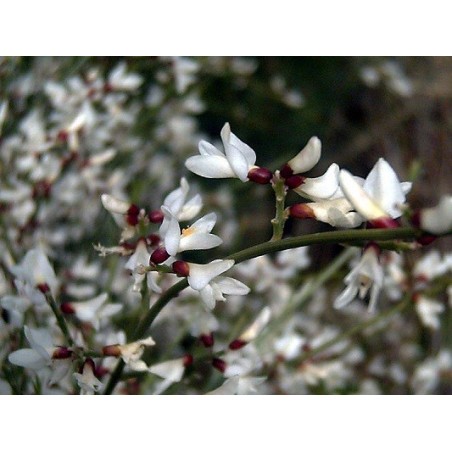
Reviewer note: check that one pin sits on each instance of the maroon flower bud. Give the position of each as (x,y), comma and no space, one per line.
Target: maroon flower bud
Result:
(111,350)
(286,171)
(188,360)
(61,353)
(384,223)
(43,287)
(426,239)
(132,220)
(260,175)
(62,136)
(294,181)
(181,268)
(153,239)
(237,344)
(207,340)
(301,211)
(155,216)
(158,256)
(67,308)
(219,364)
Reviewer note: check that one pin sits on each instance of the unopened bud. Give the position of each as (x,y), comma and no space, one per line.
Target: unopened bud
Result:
(237,344)
(61,353)
(181,268)
(207,340)
(286,171)
(294,181)
(158,256)
(219,364)
(187,360)
(153,239)
(301,211)
(260,175)
(111,350)
(43,287)
(384,223)
(67,308)
(155,216)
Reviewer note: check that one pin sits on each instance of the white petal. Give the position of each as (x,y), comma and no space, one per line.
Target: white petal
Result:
(190,209)
(244,149)
(308,157)
(210,166)
(257,326)
(114,205)
(206,223)
(198,241)
(176,199)
(207,296)
(384,187)
(438,219)
(202,274)
(346,296)
(171,234)
(205,148)
(29,358)
(322,187)
(40,340)
(172,370)
(231,286)
(358,197)
(229,387)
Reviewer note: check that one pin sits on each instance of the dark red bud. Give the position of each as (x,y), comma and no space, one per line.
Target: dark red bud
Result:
(416,219)
(101,371)
(260,175)
(133,210)
(294,181)
(111,350)
(237,344)
(155,216)
(108,88)
(43,287)
(61,353)
(132,220)
(426,239)
(89,362)
(286,171)
(62,136)
(153,239)
(158,256)
(384,223)
(301,211)
(188,360)
(67,308)
(207,340)
(219,364)
(181,268)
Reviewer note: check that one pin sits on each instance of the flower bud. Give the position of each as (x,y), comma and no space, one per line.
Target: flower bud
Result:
(181,268)
(112,350)
(158,256)
(155,216)
(207,340)
(61,353)
(260,175)
(301,211)
(187,360)
(67,308)
(219,364)
(294,181)
(237,344)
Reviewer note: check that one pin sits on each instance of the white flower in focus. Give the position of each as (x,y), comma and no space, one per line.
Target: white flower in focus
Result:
(195,237)
(236,161)
(176,202)
(322,187)
(220,286)
(367,275)
(381,198)
(305,160)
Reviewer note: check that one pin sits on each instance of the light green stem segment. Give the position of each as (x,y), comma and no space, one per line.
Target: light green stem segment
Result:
(280,216)
(59,318)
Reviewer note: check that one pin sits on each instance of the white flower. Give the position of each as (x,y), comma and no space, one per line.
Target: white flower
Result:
(322,187)
(131,353)
(195,237)
(87,380)
(136,264)
(238,385)
(92,311)
(121,81)
(115,205)
(438,219)
(35,270)
(171,371)
(236,161)
(42,354)
(428,311)
(176,203)
(220,286)
(367,275)
(381,197)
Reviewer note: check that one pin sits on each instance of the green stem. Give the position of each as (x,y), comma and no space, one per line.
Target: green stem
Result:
(280,216)
(357,328)
(346,236)
(59,318)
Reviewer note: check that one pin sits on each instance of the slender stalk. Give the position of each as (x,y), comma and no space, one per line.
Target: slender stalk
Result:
(280,216)
(59,318)
(357,328)
(347,236)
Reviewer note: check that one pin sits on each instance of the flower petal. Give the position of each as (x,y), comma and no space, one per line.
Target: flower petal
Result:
(29,358)
(202,274)
(308,157)
(322,187)
(210,166)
